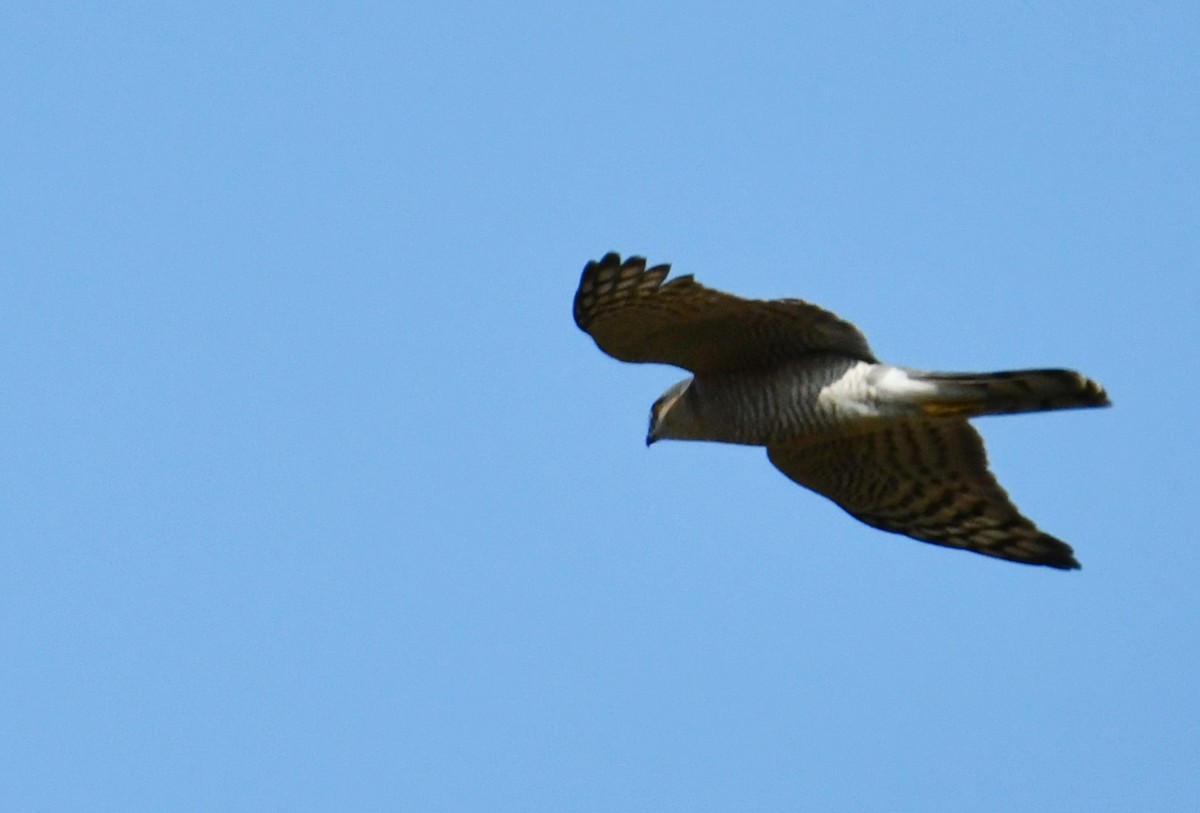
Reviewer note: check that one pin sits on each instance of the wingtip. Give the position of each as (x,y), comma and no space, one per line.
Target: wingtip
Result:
(1098,394)
(613,258)
(600,276)
(1058,555)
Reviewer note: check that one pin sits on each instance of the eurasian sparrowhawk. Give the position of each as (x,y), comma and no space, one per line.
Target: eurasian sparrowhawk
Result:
(890,445)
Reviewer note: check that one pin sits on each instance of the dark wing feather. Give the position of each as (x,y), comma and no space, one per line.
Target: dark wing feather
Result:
(927,479)
(635,316)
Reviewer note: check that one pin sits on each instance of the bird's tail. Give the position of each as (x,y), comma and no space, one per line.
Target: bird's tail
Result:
(970,394)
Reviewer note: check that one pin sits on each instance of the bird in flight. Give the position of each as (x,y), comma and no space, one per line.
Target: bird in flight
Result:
(890,445)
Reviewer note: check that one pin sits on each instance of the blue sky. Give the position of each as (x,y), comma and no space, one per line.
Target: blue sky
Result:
(317,499)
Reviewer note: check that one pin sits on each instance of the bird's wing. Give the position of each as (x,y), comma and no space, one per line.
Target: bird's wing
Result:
(634,316)
(923,478)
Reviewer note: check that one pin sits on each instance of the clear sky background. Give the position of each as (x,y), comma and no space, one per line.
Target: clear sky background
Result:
(316,499)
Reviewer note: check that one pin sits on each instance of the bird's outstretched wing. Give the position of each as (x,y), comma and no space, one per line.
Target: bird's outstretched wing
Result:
(635,316)
(927,479)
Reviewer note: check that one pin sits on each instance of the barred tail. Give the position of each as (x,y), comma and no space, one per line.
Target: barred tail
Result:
(1005,393)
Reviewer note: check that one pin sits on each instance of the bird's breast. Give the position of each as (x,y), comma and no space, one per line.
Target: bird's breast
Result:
(774,405)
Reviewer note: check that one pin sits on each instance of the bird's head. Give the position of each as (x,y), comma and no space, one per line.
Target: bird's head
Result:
(661,421)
